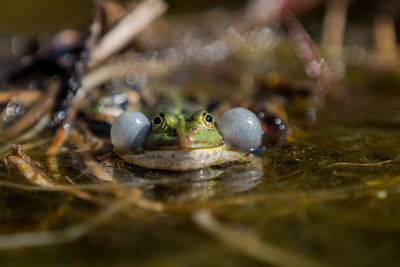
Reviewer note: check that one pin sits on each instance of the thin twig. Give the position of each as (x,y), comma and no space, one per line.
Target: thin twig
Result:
(371,164)
(93,166)
(34,113)
(307,52)
(22,163)
(132,24)
(45,238)
(97,25)
(385,39)
(250,244)
(25,96)
(333,31)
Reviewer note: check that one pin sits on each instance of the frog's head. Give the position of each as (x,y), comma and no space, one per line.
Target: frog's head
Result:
(176,132)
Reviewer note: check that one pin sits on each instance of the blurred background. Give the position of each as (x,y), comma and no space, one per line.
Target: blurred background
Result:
(48,16)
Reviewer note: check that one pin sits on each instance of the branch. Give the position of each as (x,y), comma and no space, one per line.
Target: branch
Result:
(127,29)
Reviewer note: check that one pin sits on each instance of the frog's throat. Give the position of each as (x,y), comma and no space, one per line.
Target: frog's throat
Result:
(182,160)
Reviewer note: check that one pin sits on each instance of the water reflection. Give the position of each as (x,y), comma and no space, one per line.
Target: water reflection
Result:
(202,184)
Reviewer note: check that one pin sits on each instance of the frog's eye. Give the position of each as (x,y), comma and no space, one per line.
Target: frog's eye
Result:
(207,119)
(159,122)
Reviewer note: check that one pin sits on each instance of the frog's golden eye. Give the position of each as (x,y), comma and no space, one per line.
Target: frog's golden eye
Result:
(159,122)
(207,119)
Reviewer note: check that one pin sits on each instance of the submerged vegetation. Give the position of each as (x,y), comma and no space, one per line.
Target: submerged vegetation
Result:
(322,190)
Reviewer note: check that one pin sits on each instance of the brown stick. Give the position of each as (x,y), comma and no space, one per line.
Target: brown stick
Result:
(70,233)
(34,113)
(127,29)
(385,39)
(251,245)
(333,30)
(25,96)
(307,52)
(93,166)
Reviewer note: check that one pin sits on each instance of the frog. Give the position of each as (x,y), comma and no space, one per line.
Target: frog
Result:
(181,140)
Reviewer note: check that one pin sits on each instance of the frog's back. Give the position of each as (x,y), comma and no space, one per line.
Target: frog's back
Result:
(173,103)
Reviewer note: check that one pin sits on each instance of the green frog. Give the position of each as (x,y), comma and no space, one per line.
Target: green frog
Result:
(180,141)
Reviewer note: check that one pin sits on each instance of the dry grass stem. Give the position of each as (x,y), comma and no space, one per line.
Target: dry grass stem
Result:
(385,39)
(35,130)
(370,164)
(315,66)
(45,238)
(132,24)
(250,244)
(19,160)
(22,163)
(25,97)
(333,30)
(100,172)
(40,108)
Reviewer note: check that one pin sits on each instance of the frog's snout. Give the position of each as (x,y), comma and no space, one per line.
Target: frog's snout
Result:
(184,142)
